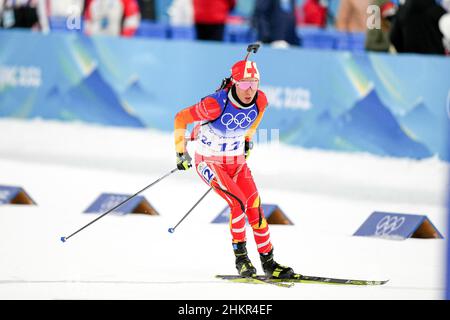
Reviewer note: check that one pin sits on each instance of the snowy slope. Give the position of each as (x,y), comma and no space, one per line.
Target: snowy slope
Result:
(64,167)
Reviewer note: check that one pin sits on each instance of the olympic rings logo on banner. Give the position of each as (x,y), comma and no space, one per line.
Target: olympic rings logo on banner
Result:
(389,224)
(240,120)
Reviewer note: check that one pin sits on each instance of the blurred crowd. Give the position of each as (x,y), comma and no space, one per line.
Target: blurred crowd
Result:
(110,17)
(416,26)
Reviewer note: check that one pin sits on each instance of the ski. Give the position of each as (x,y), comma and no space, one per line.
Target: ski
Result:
(298,278)
(255,280)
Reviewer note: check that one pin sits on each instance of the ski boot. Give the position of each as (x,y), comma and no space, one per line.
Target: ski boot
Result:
(244,266)
(273,270)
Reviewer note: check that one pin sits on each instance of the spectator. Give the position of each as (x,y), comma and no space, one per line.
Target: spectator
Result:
(275,22)
(65,8)
(181,13)
(377,38)
(147,8)
(210,17)
(446,5)
(444,26)
(24,14)
(112,17)
(315,13)
(352,16)
(416,27)
(69,11)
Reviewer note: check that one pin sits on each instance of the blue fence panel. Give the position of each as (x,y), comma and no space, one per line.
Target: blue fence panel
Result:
(182,32)
(316,38)
(66,24)
(152,29)
(447,295)
(239,34)
(328,99)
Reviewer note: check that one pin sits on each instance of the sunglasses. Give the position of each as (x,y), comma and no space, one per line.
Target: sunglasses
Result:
(245,85)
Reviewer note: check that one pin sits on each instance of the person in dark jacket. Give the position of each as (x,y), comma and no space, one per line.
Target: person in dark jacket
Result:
(416,27)
(275,21)
(147,8)
(29,14)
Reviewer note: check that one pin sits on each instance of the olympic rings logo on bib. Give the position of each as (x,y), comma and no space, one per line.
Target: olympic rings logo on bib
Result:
(240,120)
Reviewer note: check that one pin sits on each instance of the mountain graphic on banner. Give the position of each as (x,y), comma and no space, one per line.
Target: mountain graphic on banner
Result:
(136,96)
(368,126)
(147,107)
(53,93)
(93,100)
(320,133)
(371,126)
(422,123)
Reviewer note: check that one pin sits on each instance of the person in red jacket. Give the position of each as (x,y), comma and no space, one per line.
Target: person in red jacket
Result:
(210,17)
(315,13)
(112,17)
(228,120)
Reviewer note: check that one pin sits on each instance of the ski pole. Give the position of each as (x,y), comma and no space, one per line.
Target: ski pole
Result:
(172,230)
(64,239)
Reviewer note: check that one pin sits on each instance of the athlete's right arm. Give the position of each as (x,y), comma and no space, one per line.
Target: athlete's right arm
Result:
(207,109)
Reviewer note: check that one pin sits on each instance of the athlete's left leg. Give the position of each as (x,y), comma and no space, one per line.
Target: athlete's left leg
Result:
(254,211)
(259,225)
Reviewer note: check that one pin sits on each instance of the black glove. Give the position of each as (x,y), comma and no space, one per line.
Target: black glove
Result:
(183,161)
(247,148)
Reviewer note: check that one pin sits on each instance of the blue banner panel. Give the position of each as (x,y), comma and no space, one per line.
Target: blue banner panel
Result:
(448,211)
(333,100)
(448,245)
(107,201)
(397,226)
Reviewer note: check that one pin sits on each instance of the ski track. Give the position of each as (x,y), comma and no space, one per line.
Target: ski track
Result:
(65,166)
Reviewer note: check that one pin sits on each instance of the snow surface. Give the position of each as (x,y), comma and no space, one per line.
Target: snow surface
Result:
(327,195)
